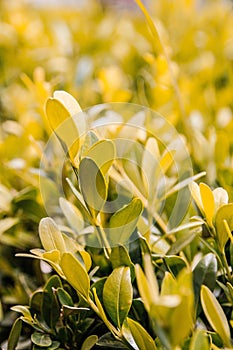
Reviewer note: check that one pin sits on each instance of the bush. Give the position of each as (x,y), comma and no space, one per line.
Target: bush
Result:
(140,249)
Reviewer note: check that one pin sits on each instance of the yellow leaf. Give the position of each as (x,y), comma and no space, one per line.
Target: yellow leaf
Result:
(208,202)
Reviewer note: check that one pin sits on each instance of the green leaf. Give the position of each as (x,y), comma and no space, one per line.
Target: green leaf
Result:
(89,342)
(14,334)
(50,236)
(75,274)
(120,257)
(108,341)
(205,273)
(103,154)
(123,222)
(41,339)
(199,341)
(225,212)
(215,315)
(72,214)
(118,294)
(50,307)
(93,185)
(142,338)
(174,264)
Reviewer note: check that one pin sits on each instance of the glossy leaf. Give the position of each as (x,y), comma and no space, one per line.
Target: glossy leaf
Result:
(118,294)
(120,257)
(93,185)
(75,274)
(142,338)
(215,315)
(123,222)
(205,273)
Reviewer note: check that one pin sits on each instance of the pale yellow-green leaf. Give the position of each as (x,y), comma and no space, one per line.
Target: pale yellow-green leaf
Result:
(75,274)
(123,222)
(72,214)
(89,342)
(150,161)
(199,340)
(53,256)
(144,288)
(220,197)
(142,338)
(150,275)
(103,154)
(169,284)
(215,315)
(86,259)
(207,198)
(50,236)
(64,126)
(93,185)
(196,194)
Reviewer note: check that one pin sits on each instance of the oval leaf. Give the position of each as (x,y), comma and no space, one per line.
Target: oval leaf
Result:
(103,154)
(50,236)
(215,315)
(118,294)
(41,339)
(224,213)
(93,185)
(75,274)
(142,338)
(14,334)
(123,222)
(72,214)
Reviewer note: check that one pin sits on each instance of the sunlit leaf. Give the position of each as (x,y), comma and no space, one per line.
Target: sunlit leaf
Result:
(225,212)
(123,222)
(89,342)
(50,236)
(118,294)
(93,185)
(215,315)
(75,274)
(72,214)
(103,154)
(207,198)
(142,338)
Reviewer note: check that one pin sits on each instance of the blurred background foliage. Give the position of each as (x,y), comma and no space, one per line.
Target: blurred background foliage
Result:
(103,51)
